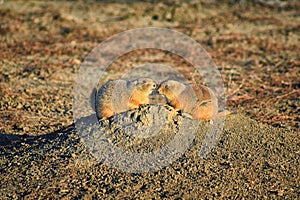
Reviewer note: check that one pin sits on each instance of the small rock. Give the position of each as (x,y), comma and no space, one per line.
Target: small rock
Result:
(76,61)
(19,106)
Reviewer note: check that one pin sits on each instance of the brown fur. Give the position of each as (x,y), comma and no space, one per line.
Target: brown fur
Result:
(197,100)
(120,95)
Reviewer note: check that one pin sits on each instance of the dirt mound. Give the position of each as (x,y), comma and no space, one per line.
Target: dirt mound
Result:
(250,160)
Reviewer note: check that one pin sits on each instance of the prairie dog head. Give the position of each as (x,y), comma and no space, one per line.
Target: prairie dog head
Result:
(144,85)
(172,91)
(171,88)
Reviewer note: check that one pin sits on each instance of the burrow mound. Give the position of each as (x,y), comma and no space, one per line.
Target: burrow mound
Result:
(154,134)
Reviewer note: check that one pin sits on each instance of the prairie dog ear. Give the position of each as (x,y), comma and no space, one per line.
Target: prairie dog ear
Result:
(135,82)
(144,80)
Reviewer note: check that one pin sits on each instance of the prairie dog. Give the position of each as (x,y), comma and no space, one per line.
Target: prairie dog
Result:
(197,100)
(117,96)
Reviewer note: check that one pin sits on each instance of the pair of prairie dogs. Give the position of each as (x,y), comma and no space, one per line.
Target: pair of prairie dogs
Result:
(120,95)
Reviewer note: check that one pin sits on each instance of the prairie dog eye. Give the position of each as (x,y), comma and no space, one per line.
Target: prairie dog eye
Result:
(167,86)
